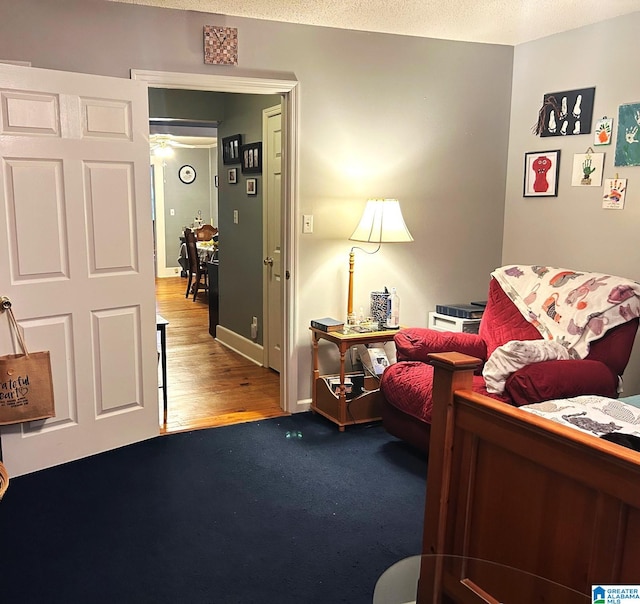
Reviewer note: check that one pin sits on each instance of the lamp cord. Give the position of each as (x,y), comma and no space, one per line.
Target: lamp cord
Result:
(355,247)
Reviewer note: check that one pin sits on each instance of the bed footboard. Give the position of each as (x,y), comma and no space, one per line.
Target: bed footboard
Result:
(518,508)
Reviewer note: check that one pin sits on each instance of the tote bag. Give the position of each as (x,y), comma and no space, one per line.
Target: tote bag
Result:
(26,384)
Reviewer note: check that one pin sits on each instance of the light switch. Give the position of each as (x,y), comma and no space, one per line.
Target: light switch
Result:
(235,216)
(307,223)
(172,212)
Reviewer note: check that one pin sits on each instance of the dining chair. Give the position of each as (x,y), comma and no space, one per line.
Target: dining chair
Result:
(197,269)
(206,232)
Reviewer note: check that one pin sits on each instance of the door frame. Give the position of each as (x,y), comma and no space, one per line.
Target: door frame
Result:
(289,91)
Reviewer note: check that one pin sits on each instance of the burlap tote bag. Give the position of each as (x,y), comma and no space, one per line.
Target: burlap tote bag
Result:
(26,385)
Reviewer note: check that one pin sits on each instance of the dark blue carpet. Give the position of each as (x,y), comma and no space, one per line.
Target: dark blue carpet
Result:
(240,514)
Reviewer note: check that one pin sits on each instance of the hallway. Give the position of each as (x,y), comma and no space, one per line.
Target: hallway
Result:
(208,385)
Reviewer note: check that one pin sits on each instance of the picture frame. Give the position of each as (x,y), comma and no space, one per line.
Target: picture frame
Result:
(251,158)
(232,176)
(541,170)
(252,186)
(566,113)
(231,146)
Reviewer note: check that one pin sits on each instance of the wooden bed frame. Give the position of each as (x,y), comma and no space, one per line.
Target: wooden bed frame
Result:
(520,509)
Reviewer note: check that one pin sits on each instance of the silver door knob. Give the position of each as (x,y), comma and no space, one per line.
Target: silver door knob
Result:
(268,261)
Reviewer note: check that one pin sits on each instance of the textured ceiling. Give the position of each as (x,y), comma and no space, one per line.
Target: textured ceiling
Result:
(508,22)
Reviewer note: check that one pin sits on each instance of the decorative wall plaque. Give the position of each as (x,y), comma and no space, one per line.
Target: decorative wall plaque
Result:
(220,45)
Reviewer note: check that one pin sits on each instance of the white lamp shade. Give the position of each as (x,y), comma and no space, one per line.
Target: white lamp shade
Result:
(382,222)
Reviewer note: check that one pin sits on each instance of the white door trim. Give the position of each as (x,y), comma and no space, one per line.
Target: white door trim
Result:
(290,122)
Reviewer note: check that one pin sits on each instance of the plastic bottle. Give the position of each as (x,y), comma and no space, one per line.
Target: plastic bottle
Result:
(393,314)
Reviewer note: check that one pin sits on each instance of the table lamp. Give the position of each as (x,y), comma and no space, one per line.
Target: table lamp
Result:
(381,222)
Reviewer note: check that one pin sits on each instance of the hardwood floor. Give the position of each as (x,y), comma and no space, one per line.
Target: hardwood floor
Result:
(208,384)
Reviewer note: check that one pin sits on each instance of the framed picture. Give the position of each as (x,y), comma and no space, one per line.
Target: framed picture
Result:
(566,113)
(231,149)
(587,169)
(541,169)
(251,156)
(232,176)
(252,186)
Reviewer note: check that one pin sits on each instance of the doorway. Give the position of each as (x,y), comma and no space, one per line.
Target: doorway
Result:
(288,89)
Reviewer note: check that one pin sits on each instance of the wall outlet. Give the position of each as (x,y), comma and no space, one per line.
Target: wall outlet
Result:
(254,328)
(235,216)
(307,223)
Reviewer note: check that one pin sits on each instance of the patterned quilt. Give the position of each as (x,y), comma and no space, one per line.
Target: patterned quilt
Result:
(596,415)
(572,308)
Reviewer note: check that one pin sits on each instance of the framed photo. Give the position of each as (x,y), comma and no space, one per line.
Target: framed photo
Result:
(252,186)
(251,156)
(231,146)
(232,176)
(541,169)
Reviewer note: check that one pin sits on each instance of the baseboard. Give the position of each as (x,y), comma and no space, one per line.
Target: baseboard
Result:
(302,406)
(168,271)
(244,347)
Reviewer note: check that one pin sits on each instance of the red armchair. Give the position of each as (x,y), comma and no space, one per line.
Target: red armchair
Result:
(406,386)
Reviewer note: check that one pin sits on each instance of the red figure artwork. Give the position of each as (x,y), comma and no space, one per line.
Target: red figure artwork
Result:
(541,166)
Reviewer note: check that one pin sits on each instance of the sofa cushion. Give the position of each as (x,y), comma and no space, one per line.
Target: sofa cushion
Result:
(417,343)
(502,321)
(408,386)
(550,380)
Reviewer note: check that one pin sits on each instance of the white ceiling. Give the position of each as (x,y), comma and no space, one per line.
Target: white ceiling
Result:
(508,22)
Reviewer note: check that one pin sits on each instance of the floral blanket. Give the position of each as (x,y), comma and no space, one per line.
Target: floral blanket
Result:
(572,308)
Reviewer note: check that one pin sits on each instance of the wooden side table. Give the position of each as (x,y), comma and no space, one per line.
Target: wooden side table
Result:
(360,409)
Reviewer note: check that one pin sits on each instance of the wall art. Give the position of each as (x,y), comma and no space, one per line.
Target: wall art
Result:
(251,155)
(614,192)
(541,169)
(232,176)
(628,141)
(603,131)
(220,45)
(587,169)
(566,113)
(231,149)
(252,186)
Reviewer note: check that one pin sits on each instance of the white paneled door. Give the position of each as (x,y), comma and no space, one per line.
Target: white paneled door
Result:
(272,218)
(76,258)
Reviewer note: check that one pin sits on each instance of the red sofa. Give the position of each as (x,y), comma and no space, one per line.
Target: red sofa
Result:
(406,385)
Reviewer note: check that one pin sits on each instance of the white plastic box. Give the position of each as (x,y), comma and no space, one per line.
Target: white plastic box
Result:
(446,323)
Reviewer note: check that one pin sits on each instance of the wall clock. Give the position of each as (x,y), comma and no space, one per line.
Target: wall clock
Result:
(220,45)
(187,174)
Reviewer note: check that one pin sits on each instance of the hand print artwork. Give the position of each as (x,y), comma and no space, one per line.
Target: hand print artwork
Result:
(628,141)
(587,169)
(603,129)
(614,192)
(541,174)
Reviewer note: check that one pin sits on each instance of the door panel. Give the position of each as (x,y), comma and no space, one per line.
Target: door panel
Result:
(273,204)
(77,258)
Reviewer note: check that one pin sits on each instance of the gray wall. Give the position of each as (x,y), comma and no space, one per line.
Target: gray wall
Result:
(422,120)
(185,199)
(240,252)
(572,230)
